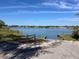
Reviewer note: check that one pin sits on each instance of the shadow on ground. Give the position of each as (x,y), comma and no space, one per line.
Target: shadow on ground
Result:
(10,49)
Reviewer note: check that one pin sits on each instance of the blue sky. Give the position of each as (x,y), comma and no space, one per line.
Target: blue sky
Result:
(39,12)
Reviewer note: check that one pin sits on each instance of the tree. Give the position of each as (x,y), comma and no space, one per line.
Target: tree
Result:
(2,23)
(75,33)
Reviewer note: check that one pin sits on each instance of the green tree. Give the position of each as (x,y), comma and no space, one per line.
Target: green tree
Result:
(75,33)
(2,23)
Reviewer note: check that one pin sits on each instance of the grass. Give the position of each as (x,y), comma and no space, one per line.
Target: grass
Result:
(12,35)
(40,40)
(8,34)
(67,37)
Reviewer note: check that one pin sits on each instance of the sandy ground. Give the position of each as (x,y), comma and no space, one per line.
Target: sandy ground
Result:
(67,50)
(76,43)
(58,50)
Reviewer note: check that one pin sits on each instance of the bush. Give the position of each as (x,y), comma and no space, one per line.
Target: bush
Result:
(75,34)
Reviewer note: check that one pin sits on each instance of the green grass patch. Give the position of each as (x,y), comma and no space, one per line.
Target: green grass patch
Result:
(8,34)
(67,37)
(40,40)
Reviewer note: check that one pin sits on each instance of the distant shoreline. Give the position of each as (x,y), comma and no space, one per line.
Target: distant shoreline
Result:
(17,26)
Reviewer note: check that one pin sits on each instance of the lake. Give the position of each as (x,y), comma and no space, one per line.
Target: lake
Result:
(42,32)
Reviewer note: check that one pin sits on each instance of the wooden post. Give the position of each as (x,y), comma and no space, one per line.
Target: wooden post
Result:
(26,36)
(34,37)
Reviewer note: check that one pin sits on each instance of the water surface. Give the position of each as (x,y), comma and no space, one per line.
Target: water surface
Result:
(42,32)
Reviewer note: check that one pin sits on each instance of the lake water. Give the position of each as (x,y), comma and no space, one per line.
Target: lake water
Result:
(42,32)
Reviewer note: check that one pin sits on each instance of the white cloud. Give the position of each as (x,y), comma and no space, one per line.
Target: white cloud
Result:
(36,12)
(58,5)
(69,19)
(76,6)
(62,5)
(14,7)
(49,4)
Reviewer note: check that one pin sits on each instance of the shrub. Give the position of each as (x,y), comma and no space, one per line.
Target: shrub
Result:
(75,34)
